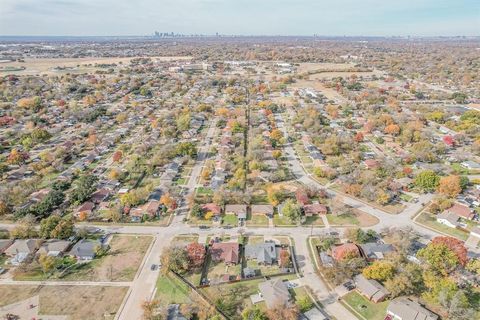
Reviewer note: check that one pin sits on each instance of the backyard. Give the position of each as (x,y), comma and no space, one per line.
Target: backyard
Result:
(361,306)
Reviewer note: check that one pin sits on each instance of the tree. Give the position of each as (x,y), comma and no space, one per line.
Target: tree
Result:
(175,259)
(25,228)
(276,154)
(304,304)
(84,188)
(168,201)
(439,257)
(450,186)
(197,211)
(187,149)
(357,235)
(254,313)
(460,307)
(359,137)
(409,281)
(291,210)
(283,312)
(4,208)
(149,308)
(117,156)
(474,266)
(379,270)
(47,225)
(284,258)
(455,245)
(427,180)
(196,254)
(63,230)
(392,129)
(48,263)
(17,157)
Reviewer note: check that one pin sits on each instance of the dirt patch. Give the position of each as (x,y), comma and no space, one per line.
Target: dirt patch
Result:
(365,219)
(77,302)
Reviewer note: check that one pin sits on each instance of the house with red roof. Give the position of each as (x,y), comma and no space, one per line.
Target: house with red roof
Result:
(345,250)
(314,209)
(227,252)
(461,211)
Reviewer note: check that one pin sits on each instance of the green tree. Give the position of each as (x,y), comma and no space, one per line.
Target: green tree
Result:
(291,210)
(47,225)
(254,313)
(47,263)
(409,281)
(175,259)
(84,187)
(427,180)
(187,149)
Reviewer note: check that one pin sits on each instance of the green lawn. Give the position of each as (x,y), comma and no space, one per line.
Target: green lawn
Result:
(230,219)
(429,220)
(344,219)
(181,181)
(315,221)
(369,310)
(282,221)
(171,290)
(257,220)
(204,191)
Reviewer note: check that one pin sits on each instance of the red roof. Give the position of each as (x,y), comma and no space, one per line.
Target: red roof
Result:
(212,207)
(311,209)
(461,211)
(371,163)
(342,251)
(225,251)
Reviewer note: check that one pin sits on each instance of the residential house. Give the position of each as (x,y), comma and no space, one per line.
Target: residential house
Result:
(85,209)
(461,211)
(326,260)
(262,209)
(173,312)
(376,251)
(406,309)
(371,163)
(100,195)
(345,250)
(370,289)
(264,253)
(314,209)
(240,210)
(228,252)
(20,250)
(4,244)
(249,272)
(472,165)
(275,293)
(213,208)
(54,247)
(448,218)
(85,249)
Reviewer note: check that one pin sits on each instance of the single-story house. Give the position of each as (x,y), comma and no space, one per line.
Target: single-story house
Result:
(249,272)
(4,244)
(262,209)
(85,249)
(370,289)
(314,209)
(471,165)
(264,253)
(345,250)
(54,247)
(227,252)
(86,208)
(371,163)
(406,309)
(474,232)
(461,211)
(100,195)
(240,210)
(27,246)
(326,260)
(448,218)
(275,293)
(376,251)
(213,208)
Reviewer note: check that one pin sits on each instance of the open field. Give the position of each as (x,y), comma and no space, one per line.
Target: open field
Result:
(77,302)
(70,65)
(172,290)
(120,264)
(358,218)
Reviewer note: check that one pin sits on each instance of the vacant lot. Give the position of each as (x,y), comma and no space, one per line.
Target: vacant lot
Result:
(120,264)
(77,302)
(357,218)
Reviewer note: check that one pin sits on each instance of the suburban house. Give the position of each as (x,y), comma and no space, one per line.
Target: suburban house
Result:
(262,209)
(376,251)
(406,309)
(213,208)
(275,293)
(100,195)
(54,247)
(249,272)
(228,252)
(345,250)
(150,209)
(370,289)
(314,209)
(85,209)
(472,165)
(264,253)
(85,250)
(461,211)
(240,210)
(20,250)
(448,218)
(4,244)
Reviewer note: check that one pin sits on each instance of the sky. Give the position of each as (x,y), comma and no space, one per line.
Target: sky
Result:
(240,17)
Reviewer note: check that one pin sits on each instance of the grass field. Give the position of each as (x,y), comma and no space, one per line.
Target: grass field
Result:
(257,220)
(369,310)
(282,221)
(77,302)
(171,290)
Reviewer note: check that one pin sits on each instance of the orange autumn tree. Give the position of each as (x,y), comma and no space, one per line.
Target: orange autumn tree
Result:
(392,129)
(455,245)
(450,186)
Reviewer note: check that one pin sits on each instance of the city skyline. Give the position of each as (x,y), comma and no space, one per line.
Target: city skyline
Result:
(289,18)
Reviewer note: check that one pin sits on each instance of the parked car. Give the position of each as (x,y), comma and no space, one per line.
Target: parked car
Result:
(153,267)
